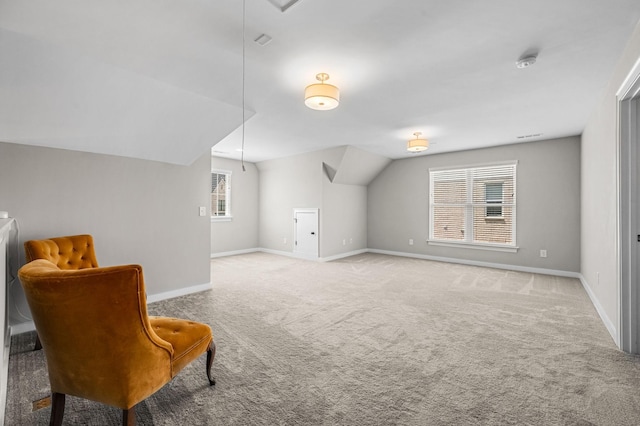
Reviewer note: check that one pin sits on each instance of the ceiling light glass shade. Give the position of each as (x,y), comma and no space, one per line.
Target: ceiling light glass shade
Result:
(321,96)
(417,144)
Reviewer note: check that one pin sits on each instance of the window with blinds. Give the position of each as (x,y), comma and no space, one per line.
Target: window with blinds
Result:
(220,194)
(473,205)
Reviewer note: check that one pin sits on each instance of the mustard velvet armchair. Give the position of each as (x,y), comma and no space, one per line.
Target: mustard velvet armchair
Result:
(99,341)
(71,252)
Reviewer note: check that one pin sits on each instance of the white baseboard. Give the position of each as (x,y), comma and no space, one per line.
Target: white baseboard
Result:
(611,328)
(315,259)
(287,253)
(234,252)
(544,271)
(342,255)
(179,292)
(23,327)
(556,272)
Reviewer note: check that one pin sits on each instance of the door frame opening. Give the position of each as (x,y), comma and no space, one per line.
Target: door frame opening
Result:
(628,226)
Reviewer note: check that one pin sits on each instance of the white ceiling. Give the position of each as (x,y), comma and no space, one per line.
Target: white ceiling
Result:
(162,79)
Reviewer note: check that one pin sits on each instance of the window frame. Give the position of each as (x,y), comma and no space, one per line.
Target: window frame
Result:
(227,200)
(471,171)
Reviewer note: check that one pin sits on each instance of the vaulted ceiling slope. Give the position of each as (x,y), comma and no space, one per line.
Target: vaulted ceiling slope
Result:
(162,80)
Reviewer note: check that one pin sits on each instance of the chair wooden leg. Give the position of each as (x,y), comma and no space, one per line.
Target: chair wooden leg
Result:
(38,345)
(57,409)
(211,353)
(129,417)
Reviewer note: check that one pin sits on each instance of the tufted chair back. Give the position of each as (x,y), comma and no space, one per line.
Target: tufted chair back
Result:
(67,253)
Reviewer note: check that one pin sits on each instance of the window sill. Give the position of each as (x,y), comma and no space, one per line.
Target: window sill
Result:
(475,246)
(221,218)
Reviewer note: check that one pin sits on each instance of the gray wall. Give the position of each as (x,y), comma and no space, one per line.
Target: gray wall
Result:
(599,264)
(343,219)
(138,211)
(301,182)
(548,204)
(285,184)
(343,214)
(241,232)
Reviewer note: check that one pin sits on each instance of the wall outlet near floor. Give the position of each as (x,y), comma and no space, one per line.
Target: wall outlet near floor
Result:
(284,240)
(350,240)
(344,242)
(410,241)
(543,253)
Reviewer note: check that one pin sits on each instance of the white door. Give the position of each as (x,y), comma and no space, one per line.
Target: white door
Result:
(306,232)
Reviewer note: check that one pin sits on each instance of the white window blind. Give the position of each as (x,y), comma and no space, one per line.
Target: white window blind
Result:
(473,205)
(220,194)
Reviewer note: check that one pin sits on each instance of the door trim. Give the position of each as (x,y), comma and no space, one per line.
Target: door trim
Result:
(628,205)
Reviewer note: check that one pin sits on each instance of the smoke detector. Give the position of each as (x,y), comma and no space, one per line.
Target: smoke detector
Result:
(526,62)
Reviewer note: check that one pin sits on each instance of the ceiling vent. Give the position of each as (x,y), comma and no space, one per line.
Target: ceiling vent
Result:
(535,135)
(263,39)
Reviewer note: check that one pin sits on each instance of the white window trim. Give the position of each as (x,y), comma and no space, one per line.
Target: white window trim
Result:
(229,216)
(511,248)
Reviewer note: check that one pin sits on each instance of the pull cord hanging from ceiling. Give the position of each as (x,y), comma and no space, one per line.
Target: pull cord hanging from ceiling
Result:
(244,13)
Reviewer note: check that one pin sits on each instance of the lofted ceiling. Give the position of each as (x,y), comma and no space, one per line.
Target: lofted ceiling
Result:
(162,79)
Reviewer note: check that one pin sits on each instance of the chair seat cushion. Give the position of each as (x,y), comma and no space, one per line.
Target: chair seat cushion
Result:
(189,339)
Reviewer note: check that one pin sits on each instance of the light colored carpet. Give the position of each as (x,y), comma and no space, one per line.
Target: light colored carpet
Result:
(376,340)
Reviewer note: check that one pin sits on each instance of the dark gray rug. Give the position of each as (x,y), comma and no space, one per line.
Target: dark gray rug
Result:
(376,340)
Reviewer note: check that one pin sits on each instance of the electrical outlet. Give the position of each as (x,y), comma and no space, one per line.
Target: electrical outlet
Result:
(284,240)
(344,242)
(203,211)
(410,241)
(543,253)
(350,240)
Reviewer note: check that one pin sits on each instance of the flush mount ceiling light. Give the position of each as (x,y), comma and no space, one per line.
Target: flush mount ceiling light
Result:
(417,144)
(321,96)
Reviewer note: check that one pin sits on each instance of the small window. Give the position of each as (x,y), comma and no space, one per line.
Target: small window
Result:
(493,195)
(220,194)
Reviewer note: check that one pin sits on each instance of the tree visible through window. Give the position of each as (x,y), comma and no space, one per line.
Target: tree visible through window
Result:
(220,194)
(473,205)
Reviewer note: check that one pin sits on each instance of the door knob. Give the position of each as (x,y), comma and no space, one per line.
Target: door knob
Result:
(313,233)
